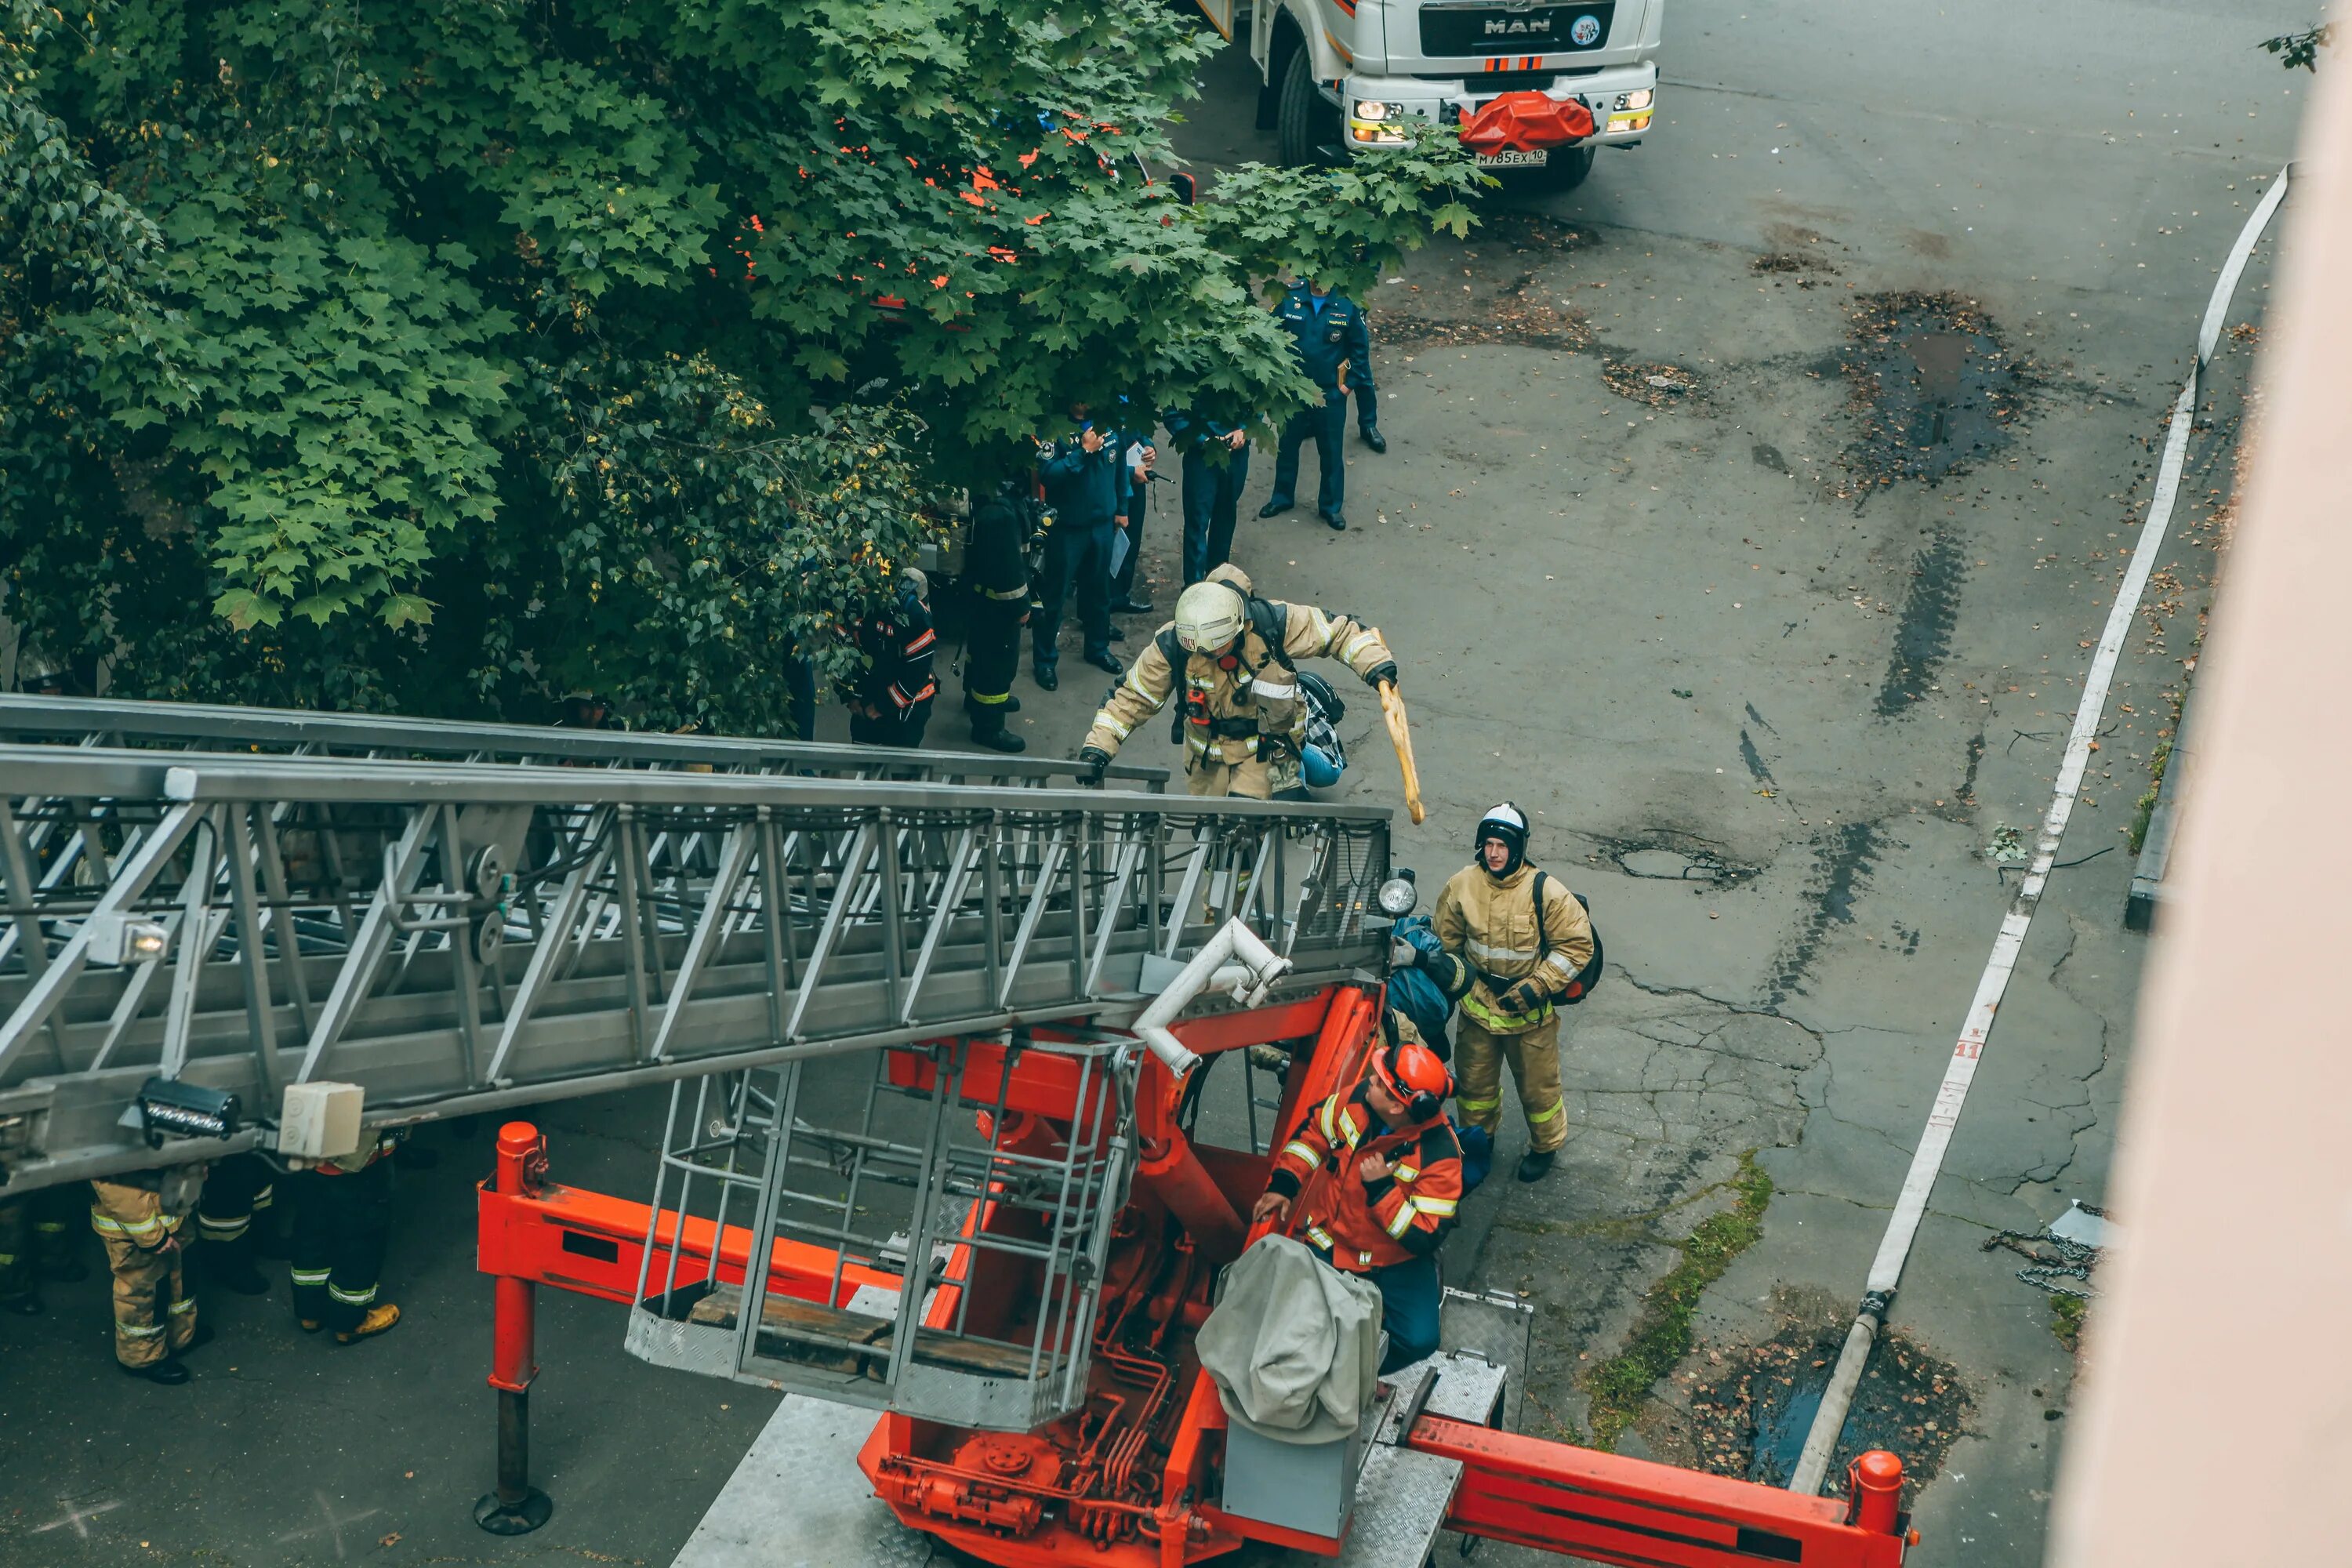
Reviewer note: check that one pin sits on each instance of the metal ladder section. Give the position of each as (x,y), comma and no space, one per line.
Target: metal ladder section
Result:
(462,937)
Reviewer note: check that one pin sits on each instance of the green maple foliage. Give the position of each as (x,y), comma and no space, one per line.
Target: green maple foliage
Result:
(443,356)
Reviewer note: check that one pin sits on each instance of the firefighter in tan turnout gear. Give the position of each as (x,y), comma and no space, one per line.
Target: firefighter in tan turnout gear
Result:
(1524,940)
(1241,716)
(139,1216)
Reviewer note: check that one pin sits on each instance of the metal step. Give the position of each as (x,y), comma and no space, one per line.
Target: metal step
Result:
(464,937)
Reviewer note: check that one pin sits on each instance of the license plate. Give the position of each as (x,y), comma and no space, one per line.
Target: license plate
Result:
(1511,160)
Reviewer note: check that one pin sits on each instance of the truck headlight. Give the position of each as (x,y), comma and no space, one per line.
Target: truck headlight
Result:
(1371,109)
(1640,98)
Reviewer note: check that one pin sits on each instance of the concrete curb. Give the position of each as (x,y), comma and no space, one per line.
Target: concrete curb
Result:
(2155,850)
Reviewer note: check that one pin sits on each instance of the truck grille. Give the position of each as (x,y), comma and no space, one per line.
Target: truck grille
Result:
(1497,82)
(1505,29)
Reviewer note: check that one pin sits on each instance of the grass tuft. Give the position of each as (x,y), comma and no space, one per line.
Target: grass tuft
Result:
(1621,1385)
(2066,1314)
(2135,835)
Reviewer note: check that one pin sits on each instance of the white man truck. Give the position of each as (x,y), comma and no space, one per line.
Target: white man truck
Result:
(1537,85)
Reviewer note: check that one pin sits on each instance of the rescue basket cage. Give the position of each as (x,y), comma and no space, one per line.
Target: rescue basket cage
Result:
(937,1213)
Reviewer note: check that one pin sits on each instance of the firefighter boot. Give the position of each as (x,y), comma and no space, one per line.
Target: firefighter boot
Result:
(379,1319)
(988,730)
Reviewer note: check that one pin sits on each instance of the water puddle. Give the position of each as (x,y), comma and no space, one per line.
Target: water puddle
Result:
(1661,853)
(1933,389)
(1783,1424)
(1751,1413)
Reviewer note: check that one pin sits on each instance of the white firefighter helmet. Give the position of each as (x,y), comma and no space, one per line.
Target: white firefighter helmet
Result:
(1509,824)
(1210,616)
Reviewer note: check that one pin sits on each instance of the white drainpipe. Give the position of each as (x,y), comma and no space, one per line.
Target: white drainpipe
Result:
(1234,960)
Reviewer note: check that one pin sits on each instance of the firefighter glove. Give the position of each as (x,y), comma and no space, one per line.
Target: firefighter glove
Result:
(1092,761)
(1383,672)
(1526,996)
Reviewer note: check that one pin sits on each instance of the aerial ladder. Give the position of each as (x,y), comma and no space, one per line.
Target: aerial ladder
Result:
(946,1144)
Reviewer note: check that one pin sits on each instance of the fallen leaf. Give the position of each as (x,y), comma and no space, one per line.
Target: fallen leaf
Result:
(392,1540)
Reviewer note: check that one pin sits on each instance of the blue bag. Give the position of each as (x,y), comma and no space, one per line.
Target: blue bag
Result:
(1477,1154)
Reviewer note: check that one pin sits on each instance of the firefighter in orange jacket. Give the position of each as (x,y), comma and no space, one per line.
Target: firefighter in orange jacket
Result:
(1391,1196)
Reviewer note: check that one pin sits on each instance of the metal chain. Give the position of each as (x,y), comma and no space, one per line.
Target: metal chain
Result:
(2048,1271)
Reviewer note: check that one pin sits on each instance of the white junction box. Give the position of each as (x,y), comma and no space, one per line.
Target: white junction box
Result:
(321,1121)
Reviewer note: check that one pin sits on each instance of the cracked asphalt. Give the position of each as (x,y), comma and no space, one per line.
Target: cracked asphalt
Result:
(1768,718)
(1769,715)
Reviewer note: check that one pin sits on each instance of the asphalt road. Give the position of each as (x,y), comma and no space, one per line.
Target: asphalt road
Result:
(1769,713)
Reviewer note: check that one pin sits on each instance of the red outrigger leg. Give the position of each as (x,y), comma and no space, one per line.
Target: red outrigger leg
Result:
(1581,1502)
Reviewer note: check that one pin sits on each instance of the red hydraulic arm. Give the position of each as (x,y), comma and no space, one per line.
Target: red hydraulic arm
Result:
(529,1228)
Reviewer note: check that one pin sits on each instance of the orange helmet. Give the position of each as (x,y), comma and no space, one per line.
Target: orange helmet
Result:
(1413,1073)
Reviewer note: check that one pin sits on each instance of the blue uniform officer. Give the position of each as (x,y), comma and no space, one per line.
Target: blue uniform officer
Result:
(1083,482)
(1216,468)
(1336,352)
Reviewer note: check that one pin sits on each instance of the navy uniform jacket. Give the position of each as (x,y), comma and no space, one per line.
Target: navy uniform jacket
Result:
(1330,342)
(1191,432)
(1085,487)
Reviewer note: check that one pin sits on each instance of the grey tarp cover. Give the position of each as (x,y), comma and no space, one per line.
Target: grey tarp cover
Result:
(1294,1346)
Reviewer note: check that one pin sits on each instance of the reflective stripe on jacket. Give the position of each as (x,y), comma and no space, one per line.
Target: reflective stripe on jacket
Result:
(1489,923)
(123,1210)
(996,560)
(1361,1225)
(1229,712)
(899,642)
